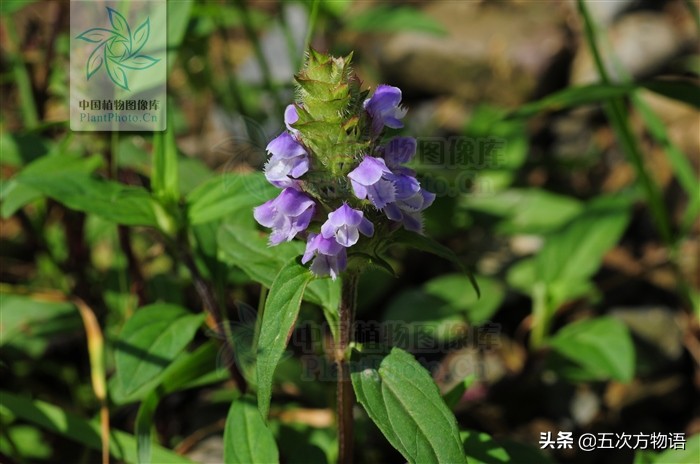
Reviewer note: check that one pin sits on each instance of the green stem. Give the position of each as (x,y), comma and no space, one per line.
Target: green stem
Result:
(30,115)
(615,110)
(313,16)
(345,395)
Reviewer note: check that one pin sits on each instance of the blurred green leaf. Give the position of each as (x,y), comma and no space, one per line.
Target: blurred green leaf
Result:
(29,442)
(456,393)
(602,346)
(246,437)
(122,446)
(480,448)
(227,194)
(423,243)
(527,211)
(27,324)
(164,172)
(278,319)
(249,250)
(150,341)
(689,455)
(110,200)
(453,290)
(20,149)
(571,97)
(683,91)
(574,253)
(403,401)
(17,192)
(395,19)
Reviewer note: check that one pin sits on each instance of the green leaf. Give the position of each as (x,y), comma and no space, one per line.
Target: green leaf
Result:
(683,91)
(110,200)
(482,449)
(150,341)
(453,290)
(28,324)
(122,446)
(249,250)
(396,19)
(144,424)
(689,455)
(116,73)
(281,311)
(527,211)
(246,437)
(602,346)
(576,251)
(119,23)
(423,243)
(17,193)
(571,97)
(164,175)
(227,194)
(404,402)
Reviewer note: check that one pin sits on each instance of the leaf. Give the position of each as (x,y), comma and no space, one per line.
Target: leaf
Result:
(16,193)
(150,341)
(138,62)
(689,455)
(200,367)
(246,437)
(122,446)
(110,200)
(144,424)
(28,324)
(684,91)
(226,194)
(571,97)
(249,250)
(452,289)
(423,243)
(119,23)
(575,252)
(116,73)
(404,402)
(388,19)
(281,311)
(481,448)
(95,61)
(96,35)
(602,346)
(164,168)
(140,36)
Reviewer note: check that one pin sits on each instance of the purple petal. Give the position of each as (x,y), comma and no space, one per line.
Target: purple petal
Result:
(393,212)
(381,193)
(384,98)
(311,247)
(290,117)
(399,150)
(369,171)
(413,221)
(265,213)
(292,202)
(366,227)
(358,189)
(286,146)
(347,236)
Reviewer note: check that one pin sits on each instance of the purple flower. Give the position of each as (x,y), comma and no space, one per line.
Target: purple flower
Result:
(331,258)
(289,161)
(384,108)
(408,210)
(398,151)
(345,224)
(371,179)
(290,117)
(287,215)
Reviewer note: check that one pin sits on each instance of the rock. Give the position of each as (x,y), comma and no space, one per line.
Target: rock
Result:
(494,53)
(210,449)
(642,43)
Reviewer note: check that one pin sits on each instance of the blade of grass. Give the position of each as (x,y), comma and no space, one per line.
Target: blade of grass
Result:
(616,112)
(30,115)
